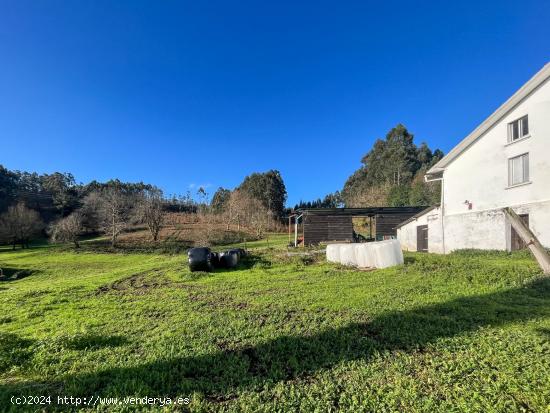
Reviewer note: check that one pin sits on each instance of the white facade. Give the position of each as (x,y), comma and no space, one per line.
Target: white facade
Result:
(407,232)
(477,178)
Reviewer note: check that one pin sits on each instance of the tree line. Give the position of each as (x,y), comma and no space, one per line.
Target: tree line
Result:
(391,174)
(333,200)
(33,205)
(258,203)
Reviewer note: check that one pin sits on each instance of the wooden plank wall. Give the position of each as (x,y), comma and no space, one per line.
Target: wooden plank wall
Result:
(385,224)
(323,228)
(326,228)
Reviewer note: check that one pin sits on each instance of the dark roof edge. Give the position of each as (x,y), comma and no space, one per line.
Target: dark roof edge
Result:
(360,211)
(416,216)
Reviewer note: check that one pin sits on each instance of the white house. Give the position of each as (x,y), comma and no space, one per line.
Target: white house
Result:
(504,162)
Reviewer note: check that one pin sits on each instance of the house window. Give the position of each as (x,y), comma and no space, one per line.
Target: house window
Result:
(518,170)
(518,129)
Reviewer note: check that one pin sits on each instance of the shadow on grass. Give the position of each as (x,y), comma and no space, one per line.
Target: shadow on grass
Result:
(253,261)
(37,243)
(94,342)
(234,368)
(409,260)
(14,351)
(13,274)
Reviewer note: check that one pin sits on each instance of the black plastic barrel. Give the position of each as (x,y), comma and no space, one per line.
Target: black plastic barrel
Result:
(229,259)
(215,259)
(240,252)
(200,259)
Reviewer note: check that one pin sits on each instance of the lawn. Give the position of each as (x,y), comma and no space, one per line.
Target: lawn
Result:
(465,332)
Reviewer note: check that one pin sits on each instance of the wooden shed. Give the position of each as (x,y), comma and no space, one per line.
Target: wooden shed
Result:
(336,224)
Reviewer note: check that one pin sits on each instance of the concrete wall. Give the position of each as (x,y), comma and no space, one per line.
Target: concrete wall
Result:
(478,230)
(489,230)
(480,177)
(539,220)
(407,233)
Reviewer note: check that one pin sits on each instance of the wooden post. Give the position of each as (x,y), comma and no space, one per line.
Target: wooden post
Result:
(370,228)
(289,224)
(296,232)
(296,218)
(530,240)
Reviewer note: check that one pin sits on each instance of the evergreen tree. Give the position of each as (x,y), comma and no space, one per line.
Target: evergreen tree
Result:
(220,200)
(389,172)
(8,186)
(269,188)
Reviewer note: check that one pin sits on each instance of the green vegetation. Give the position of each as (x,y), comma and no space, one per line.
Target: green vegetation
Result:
(465,332)
(392,173)
(269,188)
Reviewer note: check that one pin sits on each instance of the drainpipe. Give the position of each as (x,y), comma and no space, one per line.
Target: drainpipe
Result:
(442,207)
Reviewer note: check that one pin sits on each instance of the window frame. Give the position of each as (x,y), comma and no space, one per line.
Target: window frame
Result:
(525,170)
(520,126)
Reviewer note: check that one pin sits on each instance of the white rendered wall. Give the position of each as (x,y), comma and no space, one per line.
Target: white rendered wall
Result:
(478,230)
(491,230)
(539,220)
(480,176)
(407,233)
(488,230)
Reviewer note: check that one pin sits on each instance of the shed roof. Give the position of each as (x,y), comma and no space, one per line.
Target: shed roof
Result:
(416,216)
(368,211)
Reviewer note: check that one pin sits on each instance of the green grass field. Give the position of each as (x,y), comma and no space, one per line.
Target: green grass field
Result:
(465,332)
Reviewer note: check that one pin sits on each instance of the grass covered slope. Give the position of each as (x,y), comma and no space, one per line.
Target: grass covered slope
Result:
(465,332)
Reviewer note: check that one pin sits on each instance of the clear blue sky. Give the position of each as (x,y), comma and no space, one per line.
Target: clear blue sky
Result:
(181,94)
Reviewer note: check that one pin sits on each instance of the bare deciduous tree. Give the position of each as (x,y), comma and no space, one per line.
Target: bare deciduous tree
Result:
(67,229)
(150,211)
(248,212)
(236,209)
(260,217)
(114,212)
(19,224)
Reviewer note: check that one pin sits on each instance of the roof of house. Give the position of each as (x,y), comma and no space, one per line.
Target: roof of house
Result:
(416,216)
(533,84)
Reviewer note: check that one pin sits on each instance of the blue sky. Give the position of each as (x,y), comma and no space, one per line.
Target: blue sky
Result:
(182,94)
